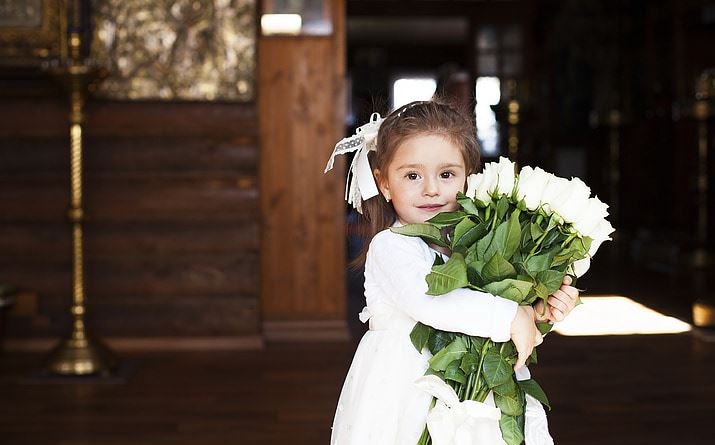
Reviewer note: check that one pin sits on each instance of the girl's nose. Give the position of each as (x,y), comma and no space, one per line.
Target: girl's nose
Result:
(430,187)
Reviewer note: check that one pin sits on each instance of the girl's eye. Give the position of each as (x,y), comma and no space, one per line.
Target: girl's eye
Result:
(447,174)
(412,176)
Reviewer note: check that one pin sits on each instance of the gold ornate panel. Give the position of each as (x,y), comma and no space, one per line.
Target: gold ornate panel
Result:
(29,30)
(176,49)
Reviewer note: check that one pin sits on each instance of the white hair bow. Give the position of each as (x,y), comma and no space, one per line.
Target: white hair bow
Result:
(360,183)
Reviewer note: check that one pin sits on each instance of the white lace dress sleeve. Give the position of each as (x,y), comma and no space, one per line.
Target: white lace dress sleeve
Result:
(395,274)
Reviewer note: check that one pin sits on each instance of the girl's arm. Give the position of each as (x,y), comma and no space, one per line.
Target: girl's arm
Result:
(399,265)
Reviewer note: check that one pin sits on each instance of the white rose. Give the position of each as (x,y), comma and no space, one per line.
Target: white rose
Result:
(599,235)
(572,200)
(506,176)
(472,182)
(581,266)
(482,184)
(555,187)
(531,185)
(587,221)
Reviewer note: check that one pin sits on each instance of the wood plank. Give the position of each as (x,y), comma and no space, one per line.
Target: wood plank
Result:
(108,118)
(145,277)
(52,241)
(185,316)
(133,197)
(153,344)
(166,316)
(38,155)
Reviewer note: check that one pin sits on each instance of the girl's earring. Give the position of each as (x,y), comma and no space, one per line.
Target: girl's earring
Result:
(387,198)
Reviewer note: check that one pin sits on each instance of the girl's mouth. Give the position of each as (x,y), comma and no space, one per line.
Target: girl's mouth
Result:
(431,207)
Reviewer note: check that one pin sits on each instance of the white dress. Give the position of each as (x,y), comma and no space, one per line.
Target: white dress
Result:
(379,403)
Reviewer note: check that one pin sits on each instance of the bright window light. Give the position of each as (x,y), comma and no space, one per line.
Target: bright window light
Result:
(407,90)
(487,92)
(616,315)
(276,24)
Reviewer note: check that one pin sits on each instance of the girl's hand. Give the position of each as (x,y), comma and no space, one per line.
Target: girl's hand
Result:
(524,334)
(560,303)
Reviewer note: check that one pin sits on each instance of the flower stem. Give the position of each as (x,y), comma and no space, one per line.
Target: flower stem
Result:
(425,438)
(477,378)
(537,245)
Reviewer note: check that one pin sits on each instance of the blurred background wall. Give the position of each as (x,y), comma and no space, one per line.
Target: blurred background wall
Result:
(206,212)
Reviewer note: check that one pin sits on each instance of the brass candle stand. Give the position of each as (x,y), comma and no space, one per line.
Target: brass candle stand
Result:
(513,107)
(704,307)
(78,354)
(615,120)
(701,112)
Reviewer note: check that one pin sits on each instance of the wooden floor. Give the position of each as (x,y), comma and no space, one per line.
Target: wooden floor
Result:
(649,390)
(605,390)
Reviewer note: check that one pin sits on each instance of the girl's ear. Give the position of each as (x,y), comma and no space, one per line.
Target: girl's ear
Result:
(381,181)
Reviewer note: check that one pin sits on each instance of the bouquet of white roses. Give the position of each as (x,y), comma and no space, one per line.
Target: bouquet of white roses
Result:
(515,236)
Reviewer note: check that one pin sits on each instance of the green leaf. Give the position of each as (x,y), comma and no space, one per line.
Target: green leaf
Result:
(438,260)
(484,244)
(511,431)
(509,405)
(471,255)
(533,358)
(536,231)
(541,291)
(551,279)
(431,371)
(540,262)
(454,373)
(507,349)
(534,390)
(438,340)
(502,207)
(497,269)
(468,232)
(420,335)
(470,363)
(513,235)
(447,219)
(496,370)
(507,388)
(475,278)
(448,276)
(461,228)
(453,351)
(586,241)
(428,232)
(477,343)
(506,238)
(551,238)
(544,327)
(467,204)
(515,290)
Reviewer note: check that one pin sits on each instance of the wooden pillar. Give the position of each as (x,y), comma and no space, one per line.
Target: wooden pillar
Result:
(301,104)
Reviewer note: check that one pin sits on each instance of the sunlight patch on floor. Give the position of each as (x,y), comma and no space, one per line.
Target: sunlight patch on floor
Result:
(616,315)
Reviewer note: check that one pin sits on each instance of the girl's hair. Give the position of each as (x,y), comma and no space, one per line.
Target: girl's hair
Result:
(416,118)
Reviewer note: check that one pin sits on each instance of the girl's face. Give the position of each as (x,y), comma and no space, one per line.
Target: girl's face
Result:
(423,178)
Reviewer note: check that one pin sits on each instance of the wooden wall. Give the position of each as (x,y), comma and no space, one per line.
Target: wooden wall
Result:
(179,241)
(172,221)
(301,107)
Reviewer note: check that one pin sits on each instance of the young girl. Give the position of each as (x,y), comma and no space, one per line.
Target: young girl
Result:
(422,156)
